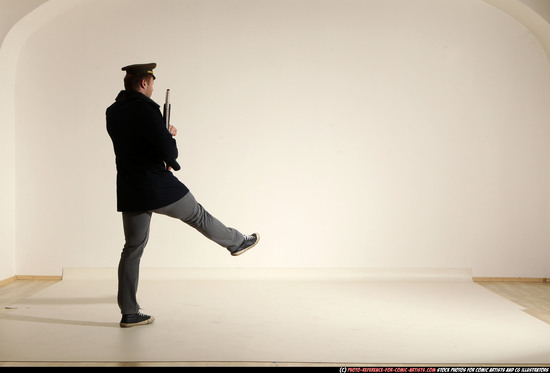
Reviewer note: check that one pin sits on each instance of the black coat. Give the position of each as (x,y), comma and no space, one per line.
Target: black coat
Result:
(143,149)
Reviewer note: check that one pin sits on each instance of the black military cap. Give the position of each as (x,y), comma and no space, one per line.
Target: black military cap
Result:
(146,68)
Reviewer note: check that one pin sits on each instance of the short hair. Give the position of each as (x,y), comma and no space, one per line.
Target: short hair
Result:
(132,82)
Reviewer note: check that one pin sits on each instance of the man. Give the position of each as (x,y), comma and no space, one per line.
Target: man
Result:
(146,154)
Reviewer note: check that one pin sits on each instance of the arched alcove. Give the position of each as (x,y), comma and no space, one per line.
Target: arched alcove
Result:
(355,134)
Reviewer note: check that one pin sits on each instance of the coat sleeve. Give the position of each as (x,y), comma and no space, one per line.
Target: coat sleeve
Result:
(154,130)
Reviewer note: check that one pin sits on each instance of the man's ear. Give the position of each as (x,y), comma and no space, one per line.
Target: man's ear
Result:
(143,83)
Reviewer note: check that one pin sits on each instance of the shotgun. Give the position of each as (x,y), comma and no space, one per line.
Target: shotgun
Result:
(167,107)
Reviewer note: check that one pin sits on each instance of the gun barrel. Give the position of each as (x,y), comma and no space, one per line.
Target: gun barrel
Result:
(167,108)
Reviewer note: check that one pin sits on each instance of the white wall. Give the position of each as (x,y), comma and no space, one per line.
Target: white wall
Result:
(542,7)
(17,22)
(11,11)
(378,134)
(7,167)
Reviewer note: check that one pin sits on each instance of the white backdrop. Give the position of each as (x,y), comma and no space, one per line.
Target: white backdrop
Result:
(356,133)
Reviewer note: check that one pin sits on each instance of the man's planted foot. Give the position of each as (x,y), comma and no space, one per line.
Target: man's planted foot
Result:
(135,319)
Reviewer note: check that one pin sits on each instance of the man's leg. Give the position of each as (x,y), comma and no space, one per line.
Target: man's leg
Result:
(136,232)
(191,212)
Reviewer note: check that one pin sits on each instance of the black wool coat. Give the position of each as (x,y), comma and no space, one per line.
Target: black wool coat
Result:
(143,150)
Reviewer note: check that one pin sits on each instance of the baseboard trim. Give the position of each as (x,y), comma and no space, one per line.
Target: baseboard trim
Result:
(511,279)
(31,277)
(7,280)
(474,279)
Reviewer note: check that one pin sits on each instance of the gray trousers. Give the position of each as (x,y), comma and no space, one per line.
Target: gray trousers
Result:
(136,233)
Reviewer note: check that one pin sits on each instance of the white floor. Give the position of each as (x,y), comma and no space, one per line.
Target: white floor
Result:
(270,316)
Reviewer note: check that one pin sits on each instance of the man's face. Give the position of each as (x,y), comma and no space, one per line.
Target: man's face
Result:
(148,87)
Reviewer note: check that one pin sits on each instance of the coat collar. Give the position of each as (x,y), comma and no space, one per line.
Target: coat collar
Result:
(125,96)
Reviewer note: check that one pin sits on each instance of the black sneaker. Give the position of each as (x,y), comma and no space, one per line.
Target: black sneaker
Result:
(248,243)
(135,319)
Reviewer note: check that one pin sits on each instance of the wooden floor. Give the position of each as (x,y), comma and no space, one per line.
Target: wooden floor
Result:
(533,296)
(14,291)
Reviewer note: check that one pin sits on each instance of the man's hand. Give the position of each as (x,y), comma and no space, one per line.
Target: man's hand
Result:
(173,130)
